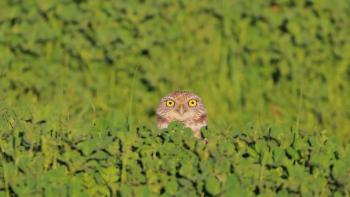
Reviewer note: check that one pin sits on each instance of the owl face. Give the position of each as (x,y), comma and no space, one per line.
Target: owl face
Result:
(181,106)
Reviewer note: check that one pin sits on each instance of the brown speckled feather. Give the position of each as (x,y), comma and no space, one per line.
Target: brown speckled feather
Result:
(186,107)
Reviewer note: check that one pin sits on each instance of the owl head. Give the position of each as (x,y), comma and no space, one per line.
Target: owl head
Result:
(181,106)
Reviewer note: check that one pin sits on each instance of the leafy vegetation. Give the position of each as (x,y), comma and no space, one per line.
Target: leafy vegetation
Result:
(172,161)
(80,80)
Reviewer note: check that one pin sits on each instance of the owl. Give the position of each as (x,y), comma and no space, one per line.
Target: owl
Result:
(185,107)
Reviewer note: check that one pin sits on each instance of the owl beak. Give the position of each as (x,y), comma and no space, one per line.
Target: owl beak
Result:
(181,109)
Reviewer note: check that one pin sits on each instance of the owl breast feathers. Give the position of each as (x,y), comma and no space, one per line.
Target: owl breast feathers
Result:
(185,107)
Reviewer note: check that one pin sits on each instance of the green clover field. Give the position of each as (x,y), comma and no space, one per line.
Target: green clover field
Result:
(80,81)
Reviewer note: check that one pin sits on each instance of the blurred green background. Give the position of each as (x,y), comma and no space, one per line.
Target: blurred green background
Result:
(80,64)
(77,77)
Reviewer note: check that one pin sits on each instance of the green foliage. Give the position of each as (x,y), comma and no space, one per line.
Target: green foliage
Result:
(173,162)
(78,79)
(285,62)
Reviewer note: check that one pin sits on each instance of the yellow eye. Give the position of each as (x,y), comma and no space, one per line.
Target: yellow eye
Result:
(169,103)
(192,103)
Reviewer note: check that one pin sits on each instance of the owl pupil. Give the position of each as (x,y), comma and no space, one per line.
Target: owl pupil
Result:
(170,103)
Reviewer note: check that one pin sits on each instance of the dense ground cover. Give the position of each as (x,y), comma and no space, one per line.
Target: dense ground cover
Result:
(173,162)
(80,80)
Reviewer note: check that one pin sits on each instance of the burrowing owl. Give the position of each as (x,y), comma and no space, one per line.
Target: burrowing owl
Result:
(185,107)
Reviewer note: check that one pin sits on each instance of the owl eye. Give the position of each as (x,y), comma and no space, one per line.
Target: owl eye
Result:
(192,103)
(169,103)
